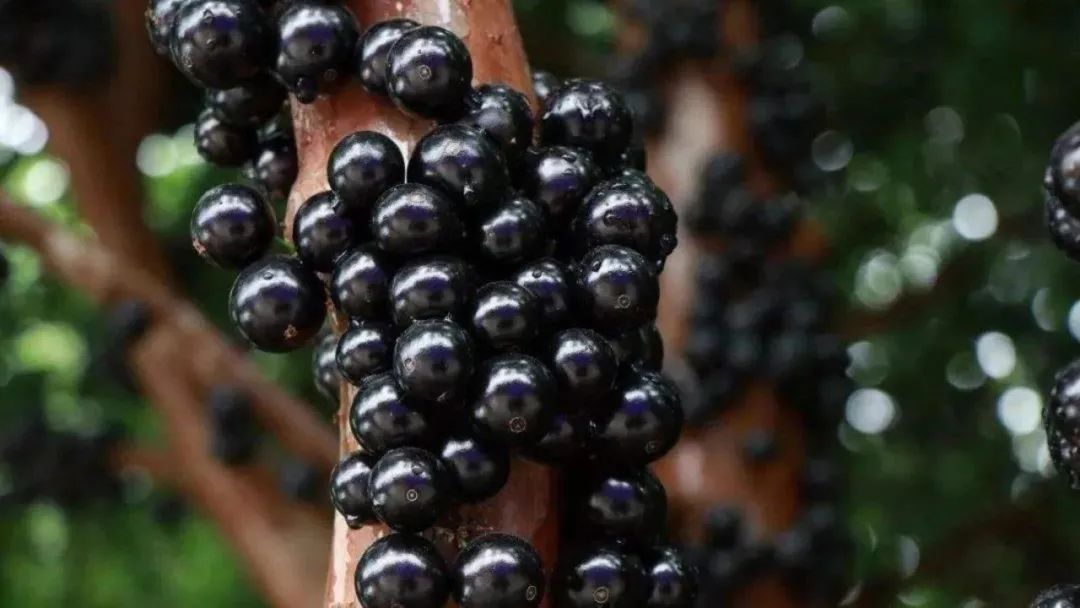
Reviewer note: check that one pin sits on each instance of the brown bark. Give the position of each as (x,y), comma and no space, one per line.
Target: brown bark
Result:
(525,507)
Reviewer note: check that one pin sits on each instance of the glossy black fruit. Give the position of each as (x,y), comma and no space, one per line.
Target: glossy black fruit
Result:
(672,579)
(514,401)
(512,232)
(411,219)
(1062,421)
(428,73)
(431,288)
(479,469)
(232,226)
(498,571)
(544,85)
(382,417)
(645,423)
(565,441)
(277,303)
(599,576)
(629,506)
(349,489)
(462,163)
(249,104)
(360,286)
(558,178)
(1064,227)
(626,212)
(1063,172)
(323,231)
(367,348)
(618,287)
(324,368)
(219,44)
(642,347)
(503,114)
(315,49)
(1058,596)
(402,571)
(588,114)
(551,283)
(409,489)
(223,144)
(160,17)
(433,360)
(583,362)
(505,316)
(362,166)
(369,60)
(274,165)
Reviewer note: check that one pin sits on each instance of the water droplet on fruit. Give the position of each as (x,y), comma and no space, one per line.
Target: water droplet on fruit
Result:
(536,273)
(609,218)
(652,447)
(601,595)
(622,302)
(530,592)
(330,75)
(424,72)
(412,495)
(518,424)
(596,266)
(410,365)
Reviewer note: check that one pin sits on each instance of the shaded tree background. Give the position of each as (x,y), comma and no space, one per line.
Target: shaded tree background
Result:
(956,306)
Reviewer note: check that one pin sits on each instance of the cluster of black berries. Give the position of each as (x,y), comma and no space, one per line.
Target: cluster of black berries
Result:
(67,42)
(501,299)
(68,469)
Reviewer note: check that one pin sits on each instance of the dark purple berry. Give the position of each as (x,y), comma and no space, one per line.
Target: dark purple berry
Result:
(431,288)
(564,443)
(249,104)
(498,571)
(639,348)
(513,232)
(277,303)
(504,115)
(369,60)
(349,489)
(160,18)
(672,579)
(558,178)
(409,489)
(362,166)
(583,362)
(324,368)
(627,505)
(1058,596)
(1063,172)
(411,219)
(382,417)
(462,163)
(1064,227)
(600,576)
(223,144)
(479,469)
(429,72)
(505,316)
(514,400)
(323,230)
(315,48)
(551,283)
(232,226)
(275,165)
(402,571)
(366,349)
(219,44)
(360,286)
(645,423)
(625,212)
(1062,421)
(618,287)
(588,114)
(545,84)
(433,360)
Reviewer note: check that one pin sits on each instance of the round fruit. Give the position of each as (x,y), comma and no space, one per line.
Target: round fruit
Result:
(498,571)
(433,360)
(409,489)
(275,166)
(672,579)
(505,316)
(515,400)
(369,60)
(324,368)
(431,288)
(583,362)
(364,350)
(1063,172)
(428,73)
(411,218)
(599,576)
(625,212)
(479,469)
(588,114)
(550,282)
(544,85)
(232,226)
(349,489)
(250,104)
(1064,227)
(223,144)
(402,570)
(462,163)
(160,17)
(513,231)
(503,114)
(629,506)
(382,417)
(558,178)
(642,347)
(362,166)
(564,443)
(645,423)
(618,287)
(1062,421)
(315,49)
(219,44)
(360,286)
(322,231)
(277,304)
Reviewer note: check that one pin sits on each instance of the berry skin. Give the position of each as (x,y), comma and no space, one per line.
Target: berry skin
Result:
(583,362)
(361,167)
(628,506)
(599,576)
(564,443)
(505,316)
(323,231)
(223,144)
(428,73)
(1062,421)
(324,368)
(462,163)
(349,489)
(588,114)
(626,212)
(672,579)
(382,417)
(512,232)
(645,423)
(275,166)
(504,115)
(639,348)
(277,304)
(316,47)
(402,571)
(364,350)
(160,17)
(1064,227)
(369,61)
(498,571)
(514,400)
(433,360)
(409,489)
(618,287)
(1058,596)
(431,288)
(218,44)
(479,469)
(551,283)
(411,219)
(232,226)
(558,178)
(360,286)
(1063,173)
(545,84)
(250,104)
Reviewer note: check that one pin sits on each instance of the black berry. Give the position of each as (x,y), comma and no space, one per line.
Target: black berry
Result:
(629,506)
(498,571)
(564,442)
(315,48)
(431,288)
(1062,421)
(618,287)
(551,283)
(1064,227)
(223,144)
(1063,172)
(544,85)
(504,115)
(645,423)
(672,579)
(232,226)
(558,178)
(369,60)
(361,167)
(402,570)
(233,437)
(409,489)
(461,162)
(625,212)
(382,417)
(410,219)
(513,231)
(322,231)
(600,576)
(324,367)
(505,316)
(277,304)
(588,114)
(514,401)
(433,360)
(349,489)
(160,18)
(583,362)
(360,286)
(249,104)
(366,349)
(220,43)
(274,165)
(479,469)
(428,72)
(642,347)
